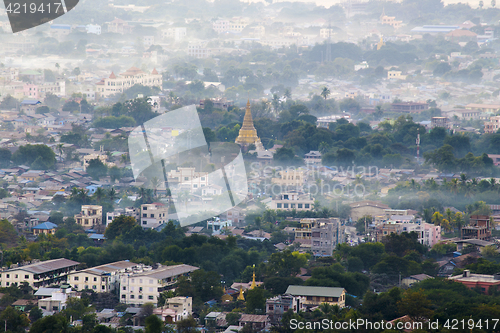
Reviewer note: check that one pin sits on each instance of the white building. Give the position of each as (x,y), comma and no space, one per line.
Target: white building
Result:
(145,285)
(39,274)
(118,84)
(153,215)
(148,40)
(58,300)
(103,278)
(176,33)
(292,201)
(216,225)
(128,211)
(199,50)
(93,29)
(189,178)
(175,309)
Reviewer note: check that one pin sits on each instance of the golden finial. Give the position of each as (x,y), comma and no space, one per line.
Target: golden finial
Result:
(240,296)
(253,285)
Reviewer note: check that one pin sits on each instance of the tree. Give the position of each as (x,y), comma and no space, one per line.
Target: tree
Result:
(96,169)
(325,92)
(115,173)
(39,157)
(5,156)
(35,314)
(154,324)
(481,4)
(233,318)
(187,325)
(256,300)
(119,225)
(416,305)
(493,3)
(9,103)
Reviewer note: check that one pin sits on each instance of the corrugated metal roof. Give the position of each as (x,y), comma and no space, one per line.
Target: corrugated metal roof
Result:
(169,271)
(314,291)
(46,266)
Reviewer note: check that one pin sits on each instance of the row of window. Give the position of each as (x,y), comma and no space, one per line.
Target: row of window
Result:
(16,276)
(76,278)
(150,289)
(139,297)
(285,205)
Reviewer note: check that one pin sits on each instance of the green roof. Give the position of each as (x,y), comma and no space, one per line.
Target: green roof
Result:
(314,291)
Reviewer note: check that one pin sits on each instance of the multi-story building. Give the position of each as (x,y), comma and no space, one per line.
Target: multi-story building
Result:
(38,274)
(198,50)
(119,26)
(409,107)
(314,296)
(40,91)
(367,208)
(326,32)
(291,201)
(398,75)
(440,122)
(145,285)
(153,215)
(493,125)
(118,84)
(103,278)
(278,305)
(320,235)
(428,234)
(390,20)
(87,158)
(292,178)
(181,305)
(93,29)
(479,228)
(90,216)
(177,33)
(216,225)
(128,211)
(57,300)
(189,178)
(234,26)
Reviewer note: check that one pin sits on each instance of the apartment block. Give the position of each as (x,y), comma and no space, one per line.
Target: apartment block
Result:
(90,216)
(291,201)
(103,278)
(38,274)
(145,285)
(320,235)
(117,84)
(128,211)
(153,215)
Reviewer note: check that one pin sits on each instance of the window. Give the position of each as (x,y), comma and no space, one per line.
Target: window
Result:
(95,279)
(150,281)
(306,205)
(271,307)
(103,287)
(285,205)
(124,288)
(75,278)
(144,222)
(278,205)
(26,276)
(132,296)
(140,296)
(309,298)
(186,178)
(86,278)
(299,205)
(123,296)
(144,215)
(8,276)
(144,208)
(285,308)
(94,287)
(17,276)
(150,297)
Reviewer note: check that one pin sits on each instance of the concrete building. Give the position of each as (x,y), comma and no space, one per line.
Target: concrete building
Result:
(175,33)
(367,208)
(119,26)
(46,228)
(479,228)
(128,211)
(409,107)
(314,296)
(103,278)
(390,20)
(57,300)
(277,306)
(292,178)
(493,125)
(486,283)
(487,108)
(290,201)
(93,29)
(145,285)
(38,274)
(396,75)
(118,84)
(189,178)
(198,50)
(321,236)
(153,215)
(440,122)
(175,309)
(217,225)
(313,157)
(90,216)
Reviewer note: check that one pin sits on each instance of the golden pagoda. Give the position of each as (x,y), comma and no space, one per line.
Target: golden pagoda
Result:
(240,296)
(380,43)
(248,133)
(253,285)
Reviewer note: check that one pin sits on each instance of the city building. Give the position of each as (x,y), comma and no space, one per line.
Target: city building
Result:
(321,236)
(29,106)
(119,26)
(291,201)
(103,278)
(397,75)
(479,228)
(218,103)
(45,228)
(93,29)
(199,50)
(410,280)
(248,133)
(367,208)
(118,84)
(90,216)
(188,178)
(313,157)
(38,273)
(153,215)
(100,156)
(487,108)
(57,300)
(486,283)
(175,33)
(440,122)
(390,20)
(278,305)
(175,309)
(217,225)
(409,107)
(326,32)
(493,125)
(145,285)
(293,178)
(128,211)
(315,296)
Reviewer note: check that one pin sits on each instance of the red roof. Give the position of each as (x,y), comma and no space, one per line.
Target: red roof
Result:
(154,72)
(112,76)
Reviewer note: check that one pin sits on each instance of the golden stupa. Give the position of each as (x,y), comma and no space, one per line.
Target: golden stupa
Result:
(248,133)
(240,296)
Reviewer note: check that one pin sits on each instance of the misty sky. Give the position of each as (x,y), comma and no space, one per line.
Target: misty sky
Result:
(328,3)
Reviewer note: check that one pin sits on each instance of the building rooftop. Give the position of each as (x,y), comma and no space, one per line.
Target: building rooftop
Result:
(45,226)
(46,266)
(314,291)
(169,271)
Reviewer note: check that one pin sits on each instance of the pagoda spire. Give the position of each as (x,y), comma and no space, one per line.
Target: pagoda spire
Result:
(253,285)
(240,296)
(248,133)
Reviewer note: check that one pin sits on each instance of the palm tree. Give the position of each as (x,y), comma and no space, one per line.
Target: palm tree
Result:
(99,195)
(60,150)
(155,182)
(287,94)
(325,92)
